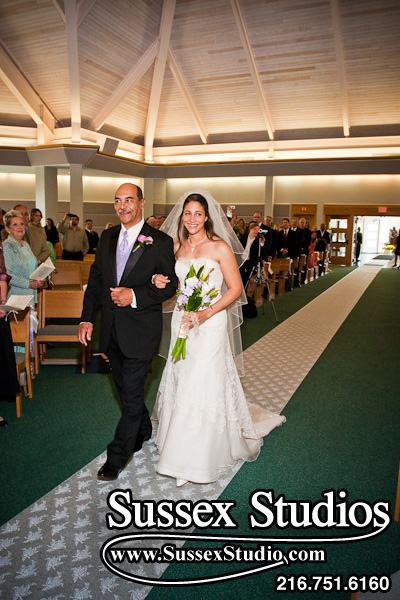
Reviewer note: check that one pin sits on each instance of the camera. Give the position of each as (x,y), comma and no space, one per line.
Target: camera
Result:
(262,232)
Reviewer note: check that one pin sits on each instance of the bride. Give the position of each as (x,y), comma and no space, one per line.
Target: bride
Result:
(201,416)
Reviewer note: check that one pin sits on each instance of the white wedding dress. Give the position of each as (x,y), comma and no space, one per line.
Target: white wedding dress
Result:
(201,416)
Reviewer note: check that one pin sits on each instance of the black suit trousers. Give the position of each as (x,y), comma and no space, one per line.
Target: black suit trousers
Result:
(129,375)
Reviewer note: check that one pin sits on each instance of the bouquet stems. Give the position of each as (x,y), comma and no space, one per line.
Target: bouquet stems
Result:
(179,349)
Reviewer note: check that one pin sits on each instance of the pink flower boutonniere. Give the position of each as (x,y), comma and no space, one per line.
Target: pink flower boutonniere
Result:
(144,240)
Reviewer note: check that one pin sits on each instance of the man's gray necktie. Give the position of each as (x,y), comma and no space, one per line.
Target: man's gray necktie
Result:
(122,256)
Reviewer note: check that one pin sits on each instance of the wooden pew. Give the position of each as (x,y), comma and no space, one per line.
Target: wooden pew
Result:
(85,266)
(281,273)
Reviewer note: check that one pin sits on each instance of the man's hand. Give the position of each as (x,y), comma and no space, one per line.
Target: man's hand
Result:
(160,281)
(85,331)
(121,296)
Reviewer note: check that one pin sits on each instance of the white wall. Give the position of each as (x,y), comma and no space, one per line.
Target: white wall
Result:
(17,186)
(320,189)
(226,190)
(338,189)
(95,189)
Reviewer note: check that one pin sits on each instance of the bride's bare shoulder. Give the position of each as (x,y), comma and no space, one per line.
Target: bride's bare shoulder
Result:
(218,248)
(220,245)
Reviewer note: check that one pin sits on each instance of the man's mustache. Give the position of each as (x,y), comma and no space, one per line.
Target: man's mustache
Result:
(124,211)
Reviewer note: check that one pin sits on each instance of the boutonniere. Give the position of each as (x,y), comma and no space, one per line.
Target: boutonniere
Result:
(143,241)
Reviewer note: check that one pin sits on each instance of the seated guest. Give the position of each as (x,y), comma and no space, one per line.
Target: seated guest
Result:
(92,236)
(19,258)
(51,232)
(75,242)
(37,236)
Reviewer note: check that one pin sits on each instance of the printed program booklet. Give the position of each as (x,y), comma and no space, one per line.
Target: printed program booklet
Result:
(16,303)
(43,270)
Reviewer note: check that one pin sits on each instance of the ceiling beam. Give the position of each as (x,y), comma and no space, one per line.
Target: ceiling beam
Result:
(26,96)
(59,6)
(137,71)
(167,19)
(253,66)
(84,8)
(181,83)
(71,24)
(343,89)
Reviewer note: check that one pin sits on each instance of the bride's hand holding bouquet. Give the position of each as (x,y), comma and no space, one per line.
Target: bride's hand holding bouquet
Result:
(193,298)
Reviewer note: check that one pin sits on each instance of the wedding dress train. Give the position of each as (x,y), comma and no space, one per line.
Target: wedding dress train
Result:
(201,417)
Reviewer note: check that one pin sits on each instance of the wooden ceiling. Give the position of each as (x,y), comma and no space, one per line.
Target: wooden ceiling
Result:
(173,80)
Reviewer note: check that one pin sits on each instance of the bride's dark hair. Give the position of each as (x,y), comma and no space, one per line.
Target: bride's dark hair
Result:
(183,233)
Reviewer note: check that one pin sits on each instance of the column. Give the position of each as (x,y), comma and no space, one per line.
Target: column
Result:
(47,192)
(76,192)
(269,200)
(155,192)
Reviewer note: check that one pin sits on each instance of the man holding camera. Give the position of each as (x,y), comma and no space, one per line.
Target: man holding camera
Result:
(75,243)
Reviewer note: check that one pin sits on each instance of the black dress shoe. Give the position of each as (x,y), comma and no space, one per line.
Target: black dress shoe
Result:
(108,472)
(141,438)
(3,423)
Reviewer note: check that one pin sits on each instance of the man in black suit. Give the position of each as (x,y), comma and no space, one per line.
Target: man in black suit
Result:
(288,246)
(322,245)
(120,284)
(92,236)
(271,250)
(304,235)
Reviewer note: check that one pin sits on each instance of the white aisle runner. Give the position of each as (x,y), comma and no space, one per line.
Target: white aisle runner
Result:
(50,551)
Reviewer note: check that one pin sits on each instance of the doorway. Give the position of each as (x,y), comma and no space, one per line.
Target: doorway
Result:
(376,233)
(341,229)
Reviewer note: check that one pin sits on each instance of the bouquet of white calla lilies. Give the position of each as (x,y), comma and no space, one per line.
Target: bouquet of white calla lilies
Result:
(196,295)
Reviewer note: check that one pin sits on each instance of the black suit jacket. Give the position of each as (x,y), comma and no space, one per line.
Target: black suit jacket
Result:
(323,239)
(292,243)
(304,239)
(93,240)
(138,330)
